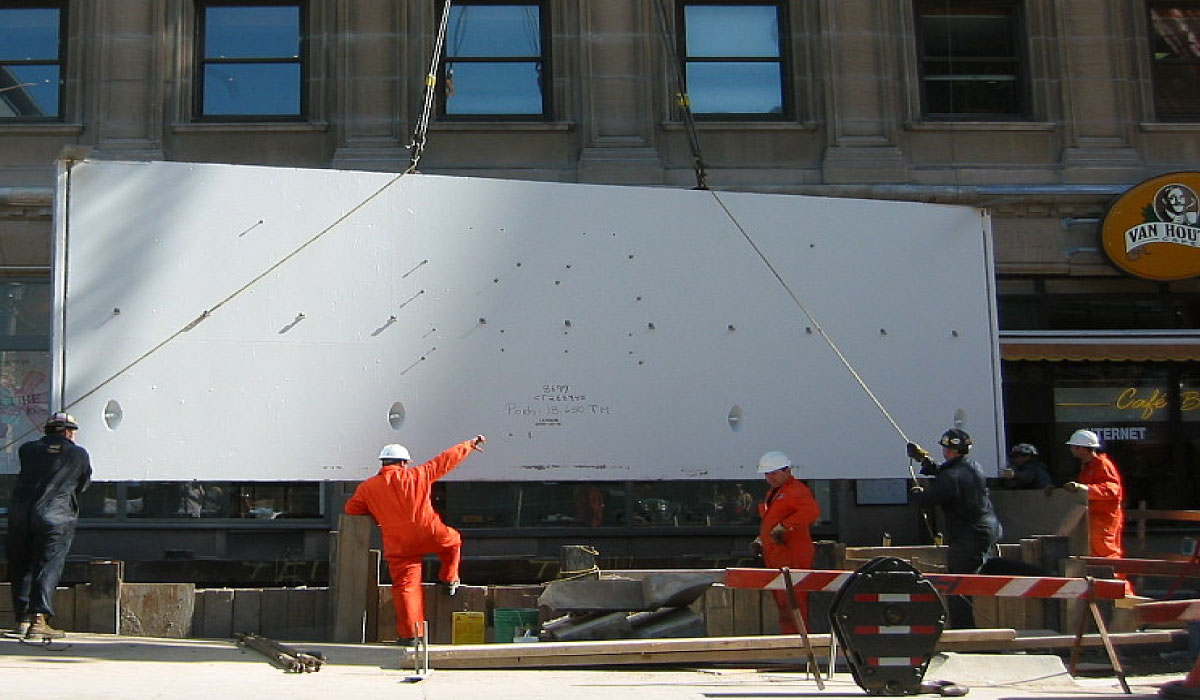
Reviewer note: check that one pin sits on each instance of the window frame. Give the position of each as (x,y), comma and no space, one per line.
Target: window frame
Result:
(60,61)
(201,62)
(543,59)
(1022,92)
(787,93)
(1153,65)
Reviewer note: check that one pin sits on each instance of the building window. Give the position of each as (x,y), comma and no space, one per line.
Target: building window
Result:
(971,60)
(734,59)
(495,62)
(250,60)
(1175,59)
(32,53)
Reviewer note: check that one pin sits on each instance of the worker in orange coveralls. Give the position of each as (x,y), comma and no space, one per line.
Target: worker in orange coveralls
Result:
(398,499)
(787,513)
(1105,493)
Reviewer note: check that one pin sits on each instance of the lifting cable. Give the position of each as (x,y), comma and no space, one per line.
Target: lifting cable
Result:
(684,102)
(417,147)
(675,60)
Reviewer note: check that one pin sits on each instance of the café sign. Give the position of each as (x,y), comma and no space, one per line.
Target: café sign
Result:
(1153,230)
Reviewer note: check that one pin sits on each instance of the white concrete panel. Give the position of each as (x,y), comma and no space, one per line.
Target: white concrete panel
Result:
(591,332)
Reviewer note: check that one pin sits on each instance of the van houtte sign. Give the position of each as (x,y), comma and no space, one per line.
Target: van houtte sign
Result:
(1153,230)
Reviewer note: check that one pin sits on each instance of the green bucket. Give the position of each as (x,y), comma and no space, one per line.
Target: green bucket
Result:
(509,622)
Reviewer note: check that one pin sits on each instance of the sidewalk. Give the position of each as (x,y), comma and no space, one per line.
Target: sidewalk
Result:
(108,667)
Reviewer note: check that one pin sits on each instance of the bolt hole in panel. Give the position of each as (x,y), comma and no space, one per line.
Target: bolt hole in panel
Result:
(635,390)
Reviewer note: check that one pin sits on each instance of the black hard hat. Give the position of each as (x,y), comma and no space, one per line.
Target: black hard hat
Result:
(956,439)
(1023,448)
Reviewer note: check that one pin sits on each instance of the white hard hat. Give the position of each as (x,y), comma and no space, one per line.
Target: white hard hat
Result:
(394,451)
(773,461)
(1084,438)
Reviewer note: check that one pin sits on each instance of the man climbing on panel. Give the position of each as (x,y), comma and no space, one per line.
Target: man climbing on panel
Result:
(398,500)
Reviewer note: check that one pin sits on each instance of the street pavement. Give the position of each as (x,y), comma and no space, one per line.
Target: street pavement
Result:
(104,667)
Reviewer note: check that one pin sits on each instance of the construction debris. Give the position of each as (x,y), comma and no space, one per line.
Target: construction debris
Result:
(283,656)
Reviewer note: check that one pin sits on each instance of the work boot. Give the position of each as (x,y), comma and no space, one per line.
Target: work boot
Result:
(407,641)
(39,629)
(19,631)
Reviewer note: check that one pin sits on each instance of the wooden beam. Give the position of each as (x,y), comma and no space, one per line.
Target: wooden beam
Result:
(349,578)
(665,651)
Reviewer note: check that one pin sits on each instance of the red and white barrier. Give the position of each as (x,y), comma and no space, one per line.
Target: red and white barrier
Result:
(947,584)
(1168,611)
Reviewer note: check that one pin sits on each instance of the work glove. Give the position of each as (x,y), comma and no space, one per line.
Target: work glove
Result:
(756,548)
(477,443)
(916,452)
(1075,487)
(778,534)
(916,490)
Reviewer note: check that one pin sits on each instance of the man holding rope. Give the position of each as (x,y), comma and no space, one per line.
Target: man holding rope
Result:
(972,528)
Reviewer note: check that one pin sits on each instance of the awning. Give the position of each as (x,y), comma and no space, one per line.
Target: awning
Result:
(1083,351)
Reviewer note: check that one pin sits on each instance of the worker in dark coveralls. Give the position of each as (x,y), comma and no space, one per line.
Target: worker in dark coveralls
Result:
(398,500)
(960,490)
(41,522)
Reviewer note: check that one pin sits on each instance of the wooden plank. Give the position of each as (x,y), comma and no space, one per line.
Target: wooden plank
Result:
(306,619)
(1066,641)
(274,610)
(198,629)
(1035,610)
(718,611)
(371,627)
(82,606)
(657,651)
(747,612)
(63,603)
(104,594)
(247,611)
(769,610)
(349,578)
(218,613)
(386,614)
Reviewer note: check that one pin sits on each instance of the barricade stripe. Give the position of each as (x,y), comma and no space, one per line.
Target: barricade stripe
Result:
(895,661)
(949,584)
(895,629)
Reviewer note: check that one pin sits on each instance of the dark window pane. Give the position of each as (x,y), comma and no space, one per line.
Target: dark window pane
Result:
(494,31)
(1177,90)
(970,96)
(970,59)
(493,88)
(29,90)
(252,32)
(249,88)
(723,31)
(735,88)
(29,34)
(967,35)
